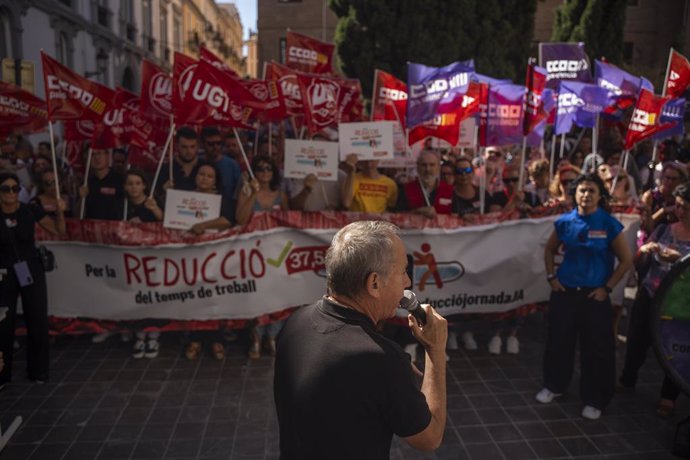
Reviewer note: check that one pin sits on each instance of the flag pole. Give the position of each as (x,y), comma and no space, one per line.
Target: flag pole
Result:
(256,138)
(172,129)
(376,73)
(560,154)
(595,135)
(55,170)
(522,163)
(244,155)
(663,94)
(160,163)
(86,183)
(553,155)
(621,164)
(270,139)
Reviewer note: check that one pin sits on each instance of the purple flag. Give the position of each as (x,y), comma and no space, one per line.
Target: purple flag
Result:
(564,61)
(579,103)
(503,116)
(673,112)
(436,90)
(618,81)
(490,80)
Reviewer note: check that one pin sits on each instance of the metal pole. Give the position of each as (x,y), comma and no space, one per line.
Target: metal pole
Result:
(55,170)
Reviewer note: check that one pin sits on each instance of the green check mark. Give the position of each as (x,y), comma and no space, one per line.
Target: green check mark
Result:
(282,256)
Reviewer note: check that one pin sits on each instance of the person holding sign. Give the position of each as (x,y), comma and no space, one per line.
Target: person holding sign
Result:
(22,273)
(140,208)
(208,181)
(580,306)
(263,192)
(368,190)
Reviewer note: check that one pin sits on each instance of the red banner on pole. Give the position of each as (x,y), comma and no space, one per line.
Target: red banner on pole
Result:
(21,111)
(389,101)
(156,90)
(678,77)
(444,126)
(206,55)
(645,121)
(70,96)
(320,96)
(534,105)
(289,86)
(308,54)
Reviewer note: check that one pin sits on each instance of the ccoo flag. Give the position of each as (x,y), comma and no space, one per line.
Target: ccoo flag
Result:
(307,54)
(646,121)
(436,90)
(503,118)
(389,101)
(624,87)
(20,110)
(673,112)
(534,104)
(579,103)
(564,61)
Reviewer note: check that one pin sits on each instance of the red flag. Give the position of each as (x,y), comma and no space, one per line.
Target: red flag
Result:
(74,153)
(71,96)
(444,126)
(144,130)
(114,131)
(215,61)
(350,105)
(79,130)
(267,99)
(288,85)
(21,111)
(144,158)
(156,90)
(534,106)
(645,120)
(389,101)
(204,95)
(321,97)
(308,54)
(678,77)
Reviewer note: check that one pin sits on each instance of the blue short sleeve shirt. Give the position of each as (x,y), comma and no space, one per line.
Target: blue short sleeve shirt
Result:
(588,260)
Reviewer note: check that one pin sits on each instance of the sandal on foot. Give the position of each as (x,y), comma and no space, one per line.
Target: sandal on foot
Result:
(218,351)
(193,350)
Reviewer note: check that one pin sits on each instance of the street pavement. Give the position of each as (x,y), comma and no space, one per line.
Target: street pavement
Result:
(102,404)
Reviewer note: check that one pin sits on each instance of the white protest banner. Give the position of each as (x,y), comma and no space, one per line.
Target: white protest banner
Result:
(467,132)
(184,209)
(403,156)
(371,140)
(474,269)
(311,157)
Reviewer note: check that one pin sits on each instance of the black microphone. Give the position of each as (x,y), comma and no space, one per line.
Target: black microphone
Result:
(410,303)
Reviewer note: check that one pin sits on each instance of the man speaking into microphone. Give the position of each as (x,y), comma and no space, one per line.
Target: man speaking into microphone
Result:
(342,390)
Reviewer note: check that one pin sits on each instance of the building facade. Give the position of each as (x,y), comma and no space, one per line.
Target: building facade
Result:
(106,40)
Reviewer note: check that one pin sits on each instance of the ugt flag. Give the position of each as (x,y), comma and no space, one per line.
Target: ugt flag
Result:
(215,61)
(673,112)
(308,54)
(72,97)
(579,103)
(20,110)
(502,121)
(678,77)
(564,61)
(645,121)
(435,90)
(289,86)
(389,101)
(156,90)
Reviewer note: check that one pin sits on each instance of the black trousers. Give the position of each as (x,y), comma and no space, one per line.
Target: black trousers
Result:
(573,316)
(35,306)
(639,337)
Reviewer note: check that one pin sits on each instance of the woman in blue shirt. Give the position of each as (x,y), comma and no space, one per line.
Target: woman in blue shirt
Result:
(580,308)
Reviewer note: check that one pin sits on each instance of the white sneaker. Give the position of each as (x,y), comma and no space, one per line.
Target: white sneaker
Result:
(591,413)
(452,342)
(102,337)
(151,350)
(512,345)
(545,396)
(138,349)
(411,350)
(468,341)
(495,345)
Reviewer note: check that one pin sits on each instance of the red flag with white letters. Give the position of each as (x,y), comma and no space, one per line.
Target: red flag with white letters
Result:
(79,130)
(443,126)
(114,131)
(287,78)
(70,96)
(307,54)
(267,99)
(156,90)
(645,121)
(21,111)
(389,101)
(678,77)
(206,55)
(350,105)
(321,96)
(534,106)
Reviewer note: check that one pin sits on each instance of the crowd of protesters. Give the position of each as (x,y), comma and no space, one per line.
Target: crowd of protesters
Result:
(451,181)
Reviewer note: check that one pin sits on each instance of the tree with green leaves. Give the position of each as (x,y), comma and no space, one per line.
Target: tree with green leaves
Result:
(386,34)
(598,23)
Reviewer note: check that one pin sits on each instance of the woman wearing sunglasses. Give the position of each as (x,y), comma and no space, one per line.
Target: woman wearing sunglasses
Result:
(21,273)
(466,195)
(47,199)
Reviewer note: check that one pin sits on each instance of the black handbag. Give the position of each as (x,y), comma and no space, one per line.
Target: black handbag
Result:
(47,258)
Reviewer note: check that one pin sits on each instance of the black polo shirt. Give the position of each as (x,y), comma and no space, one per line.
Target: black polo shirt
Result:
(106,198)
(342,389)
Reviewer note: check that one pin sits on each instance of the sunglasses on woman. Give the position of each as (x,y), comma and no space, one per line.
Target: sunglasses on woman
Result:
(463,171)
(264,169)
(9,188)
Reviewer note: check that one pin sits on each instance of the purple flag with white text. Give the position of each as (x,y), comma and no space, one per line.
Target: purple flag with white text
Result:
(564,61)
(623,86)
(579,103)
(673,112)
(503,116)
(436,90)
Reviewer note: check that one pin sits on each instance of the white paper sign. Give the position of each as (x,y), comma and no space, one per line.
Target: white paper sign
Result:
(311,157)
(184,209)
(371,140)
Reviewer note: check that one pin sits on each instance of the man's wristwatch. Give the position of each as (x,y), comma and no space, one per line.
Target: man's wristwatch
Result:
(551,276)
